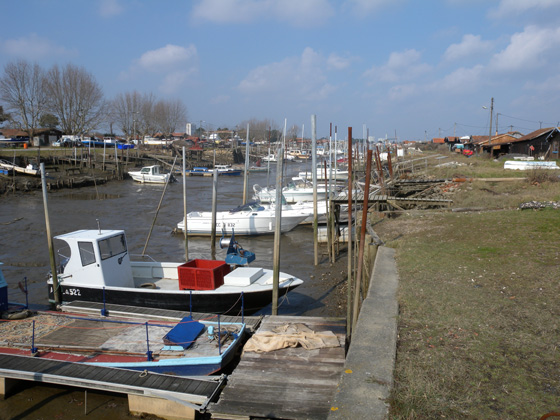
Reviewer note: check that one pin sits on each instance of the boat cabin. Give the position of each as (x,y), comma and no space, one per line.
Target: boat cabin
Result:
(96,257)
(151,170)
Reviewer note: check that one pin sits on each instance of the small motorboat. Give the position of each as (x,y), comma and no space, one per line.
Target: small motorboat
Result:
(199,171)
(226,170)
(151,174)
(94,265)
(181,347)
(297,190)
(248,219)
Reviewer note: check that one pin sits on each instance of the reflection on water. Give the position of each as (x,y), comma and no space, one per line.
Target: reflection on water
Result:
(132,207)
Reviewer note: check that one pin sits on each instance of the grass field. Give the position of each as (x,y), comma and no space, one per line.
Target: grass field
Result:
(479,316)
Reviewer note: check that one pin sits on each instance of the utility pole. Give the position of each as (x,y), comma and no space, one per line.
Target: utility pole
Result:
(491,112)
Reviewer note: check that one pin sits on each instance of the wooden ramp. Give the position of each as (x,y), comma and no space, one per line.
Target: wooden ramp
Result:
(193,393)
(291,383)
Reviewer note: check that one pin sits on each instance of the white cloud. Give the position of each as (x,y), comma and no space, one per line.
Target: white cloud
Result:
(546,86)
(166,58)
(518,7)
(470,45)
(295,77)
(173,63)
(110,8)
(295,12)
(461,80)
(400,92)
(400,66)
(527,49)
(336,62)
(33,47)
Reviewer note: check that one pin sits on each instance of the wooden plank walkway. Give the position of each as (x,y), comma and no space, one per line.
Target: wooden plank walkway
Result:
(81,307)
(291,383)
(401,200)
(195,393)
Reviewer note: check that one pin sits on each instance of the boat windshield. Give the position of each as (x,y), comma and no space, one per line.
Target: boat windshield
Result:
(112,246)
(250,206)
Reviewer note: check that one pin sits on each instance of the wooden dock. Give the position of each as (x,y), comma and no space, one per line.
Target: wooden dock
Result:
(290,383)
(186,394)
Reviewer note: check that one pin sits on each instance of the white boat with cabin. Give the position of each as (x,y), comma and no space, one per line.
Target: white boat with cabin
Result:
(247,220)
(95,266)
(297,190)
(151,174)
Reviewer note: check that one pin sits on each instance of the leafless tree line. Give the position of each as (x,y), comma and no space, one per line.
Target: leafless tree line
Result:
(72,95)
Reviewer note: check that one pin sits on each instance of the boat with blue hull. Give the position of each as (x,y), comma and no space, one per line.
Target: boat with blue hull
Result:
(183,348)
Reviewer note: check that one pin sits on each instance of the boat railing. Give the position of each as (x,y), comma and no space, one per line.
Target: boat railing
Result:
(142,257)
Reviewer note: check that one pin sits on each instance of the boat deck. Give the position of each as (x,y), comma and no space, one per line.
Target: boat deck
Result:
(81,334)
(290,383)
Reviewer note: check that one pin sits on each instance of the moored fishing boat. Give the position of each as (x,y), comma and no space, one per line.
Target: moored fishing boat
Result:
(94,265)
(151,174)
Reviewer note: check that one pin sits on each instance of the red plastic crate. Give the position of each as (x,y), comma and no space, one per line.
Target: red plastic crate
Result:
(200,274)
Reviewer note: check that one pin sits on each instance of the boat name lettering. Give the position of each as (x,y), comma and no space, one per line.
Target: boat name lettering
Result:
(72,292)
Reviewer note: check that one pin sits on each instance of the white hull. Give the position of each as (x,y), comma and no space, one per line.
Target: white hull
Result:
(292,196)
(151,179)
(242,223)
(338,175)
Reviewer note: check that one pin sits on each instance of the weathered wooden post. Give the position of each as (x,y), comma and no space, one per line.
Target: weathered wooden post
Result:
(349,236)
(56,290)
(185,204)
(314,175)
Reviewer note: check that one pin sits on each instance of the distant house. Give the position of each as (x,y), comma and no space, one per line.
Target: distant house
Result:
(438,140)
(42,137)
(542,143)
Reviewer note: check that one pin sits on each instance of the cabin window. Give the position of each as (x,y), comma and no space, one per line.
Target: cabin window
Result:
(86,253)
(112,246)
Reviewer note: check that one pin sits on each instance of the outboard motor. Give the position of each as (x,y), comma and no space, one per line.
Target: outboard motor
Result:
(236,255)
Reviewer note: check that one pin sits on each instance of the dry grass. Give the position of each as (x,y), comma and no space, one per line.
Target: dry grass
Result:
(478,324)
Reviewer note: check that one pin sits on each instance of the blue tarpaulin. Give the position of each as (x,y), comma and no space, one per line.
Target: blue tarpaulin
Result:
(184,333)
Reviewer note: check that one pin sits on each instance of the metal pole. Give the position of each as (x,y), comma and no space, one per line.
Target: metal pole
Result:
(185,204)
(158,207)
(214,207)
(314,175)
(246,175)
(56,291)
(362,240)
(349,236)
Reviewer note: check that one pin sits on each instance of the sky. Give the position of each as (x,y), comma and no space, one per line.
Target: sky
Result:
(410,69)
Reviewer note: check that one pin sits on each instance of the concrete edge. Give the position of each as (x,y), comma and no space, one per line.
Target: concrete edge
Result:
(367,379)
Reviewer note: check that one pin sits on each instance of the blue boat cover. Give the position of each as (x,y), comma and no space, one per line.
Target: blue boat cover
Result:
(184,333)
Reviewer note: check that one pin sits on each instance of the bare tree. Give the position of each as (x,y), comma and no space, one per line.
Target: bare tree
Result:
(259,130)
(168,115)
(22,91)
(125,110)
(75,98)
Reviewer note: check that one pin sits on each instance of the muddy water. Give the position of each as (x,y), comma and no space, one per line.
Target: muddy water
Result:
(131,206)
